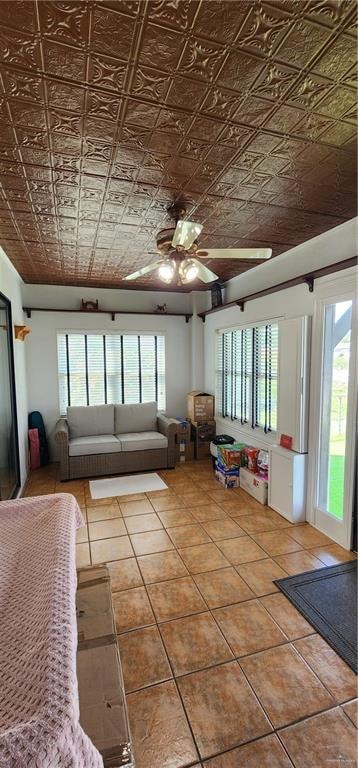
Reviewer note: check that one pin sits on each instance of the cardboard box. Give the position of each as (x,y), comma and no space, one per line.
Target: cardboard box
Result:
(200,406)
(184,450)
(229,478)
(203,431)
(183,428)
(201,450)
(255,485)
(103,713)
(231,455)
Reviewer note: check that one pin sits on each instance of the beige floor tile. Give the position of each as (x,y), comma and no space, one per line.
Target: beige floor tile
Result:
(351,710)
(143,523)
(248,628)
(165,503)
(276,542)
(82,534)
(203,557)
(223,529)
(328,740)
(333,554)
(173,517)
(160,494)
(223,587)
(208,512)
(235,507)
(188,535)
(194,498)
(260,522)
(105,502)
(262,753)
(260,576)
(308,536)
(193,643)
(160,732)
(142,507)
(143,658)
(221,496)
(150,542)
(105,550)
(161,566)
(131,497)
(334,673)
(103,512)
(124,574)
(176,598)
(241,550)
(82,555)
(284,684)
(223,712)
(132,609)
(298,562)
(286,616)
(106,529)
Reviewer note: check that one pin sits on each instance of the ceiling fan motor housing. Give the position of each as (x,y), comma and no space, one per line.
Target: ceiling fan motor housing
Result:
(164,240)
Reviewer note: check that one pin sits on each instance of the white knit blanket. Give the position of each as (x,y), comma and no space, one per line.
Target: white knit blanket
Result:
(39,710)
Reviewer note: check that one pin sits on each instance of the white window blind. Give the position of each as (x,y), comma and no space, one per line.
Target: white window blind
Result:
(246,375)
(94,369)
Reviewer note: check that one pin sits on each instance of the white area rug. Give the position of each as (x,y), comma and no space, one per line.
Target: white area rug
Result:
(122,486)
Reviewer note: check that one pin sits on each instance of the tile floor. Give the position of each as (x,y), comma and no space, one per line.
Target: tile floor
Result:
(220,669)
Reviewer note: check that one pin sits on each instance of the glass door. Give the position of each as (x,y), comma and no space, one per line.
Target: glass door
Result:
(336,418)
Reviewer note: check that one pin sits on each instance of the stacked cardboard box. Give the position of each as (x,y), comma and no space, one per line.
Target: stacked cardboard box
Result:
(184,446)
(228,464)
(201,411)
(103,712)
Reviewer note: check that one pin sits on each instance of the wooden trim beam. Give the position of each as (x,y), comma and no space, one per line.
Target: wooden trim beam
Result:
(111,312)
(307,278)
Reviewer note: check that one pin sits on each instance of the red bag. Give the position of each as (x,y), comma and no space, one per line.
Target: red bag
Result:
(34,445)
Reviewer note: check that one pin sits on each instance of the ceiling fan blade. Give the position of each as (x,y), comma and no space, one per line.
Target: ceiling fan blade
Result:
(234,253)
(204,273)
(144,270)
(185,234)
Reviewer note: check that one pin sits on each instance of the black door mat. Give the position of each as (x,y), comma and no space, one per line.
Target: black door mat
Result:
(327,598)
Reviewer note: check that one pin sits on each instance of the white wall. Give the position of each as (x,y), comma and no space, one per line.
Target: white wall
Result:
(10,286)
(42,346)
(329,248)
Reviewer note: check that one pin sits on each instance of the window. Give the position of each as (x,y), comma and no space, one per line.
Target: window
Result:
(246,370)
(94,369)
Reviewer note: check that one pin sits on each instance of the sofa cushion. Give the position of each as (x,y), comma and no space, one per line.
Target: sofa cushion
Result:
(86,446)
(90,420)
(142,441)
(141,417)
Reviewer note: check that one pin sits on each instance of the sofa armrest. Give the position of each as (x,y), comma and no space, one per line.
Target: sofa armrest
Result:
(168,427)
(61,437)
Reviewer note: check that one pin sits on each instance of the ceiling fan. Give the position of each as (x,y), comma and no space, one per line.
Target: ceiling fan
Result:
(180,253)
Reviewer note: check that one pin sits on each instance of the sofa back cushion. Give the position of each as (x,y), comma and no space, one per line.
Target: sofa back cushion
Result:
(90,420)
(141,417)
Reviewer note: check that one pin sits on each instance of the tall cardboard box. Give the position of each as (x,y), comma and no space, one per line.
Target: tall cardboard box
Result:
(200,406)
(103,711)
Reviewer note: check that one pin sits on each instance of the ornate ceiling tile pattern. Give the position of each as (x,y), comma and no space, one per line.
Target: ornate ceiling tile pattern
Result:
(112,110)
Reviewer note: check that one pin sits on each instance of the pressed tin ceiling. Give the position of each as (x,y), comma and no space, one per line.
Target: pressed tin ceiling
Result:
(110,111)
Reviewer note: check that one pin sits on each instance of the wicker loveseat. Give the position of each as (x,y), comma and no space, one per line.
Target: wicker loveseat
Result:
(111,439)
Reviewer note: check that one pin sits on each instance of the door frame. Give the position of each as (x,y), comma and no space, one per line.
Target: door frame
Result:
(328,291)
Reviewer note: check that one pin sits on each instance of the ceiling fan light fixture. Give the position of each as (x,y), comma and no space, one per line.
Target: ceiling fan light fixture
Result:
(166,270)
(188,270)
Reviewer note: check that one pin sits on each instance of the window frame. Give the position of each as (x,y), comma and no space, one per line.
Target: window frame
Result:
(248,424)
(103,333)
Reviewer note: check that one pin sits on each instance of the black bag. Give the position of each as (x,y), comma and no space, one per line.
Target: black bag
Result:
(36,422)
